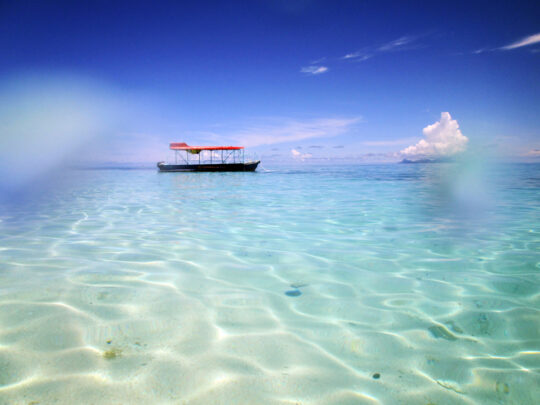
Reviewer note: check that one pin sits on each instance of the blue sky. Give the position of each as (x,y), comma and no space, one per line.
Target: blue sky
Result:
(291,79)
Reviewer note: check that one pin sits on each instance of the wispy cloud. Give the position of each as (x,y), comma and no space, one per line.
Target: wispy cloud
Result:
(318,61)
(396,44)
(358,56)
(274,132)
(530,40)
(352,55)
(314,70)
(403,43)
(481,50)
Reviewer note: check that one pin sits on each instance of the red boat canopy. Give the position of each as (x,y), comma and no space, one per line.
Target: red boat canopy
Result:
(185,146)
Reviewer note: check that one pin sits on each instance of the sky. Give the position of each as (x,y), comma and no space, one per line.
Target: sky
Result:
(292,80)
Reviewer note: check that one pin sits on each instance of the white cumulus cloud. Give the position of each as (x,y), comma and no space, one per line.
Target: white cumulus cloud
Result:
(442,139)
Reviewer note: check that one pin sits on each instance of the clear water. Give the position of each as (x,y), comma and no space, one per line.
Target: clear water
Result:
(409,284)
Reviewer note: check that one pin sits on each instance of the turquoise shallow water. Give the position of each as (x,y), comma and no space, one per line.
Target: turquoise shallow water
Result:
(381,284)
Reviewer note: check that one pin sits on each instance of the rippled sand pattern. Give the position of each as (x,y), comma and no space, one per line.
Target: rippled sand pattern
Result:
(364,285)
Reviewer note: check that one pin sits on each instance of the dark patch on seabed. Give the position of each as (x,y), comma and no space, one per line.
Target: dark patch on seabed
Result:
(293,293)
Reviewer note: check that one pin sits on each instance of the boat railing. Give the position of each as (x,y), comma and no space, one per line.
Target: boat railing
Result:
(209,157)
(251,157)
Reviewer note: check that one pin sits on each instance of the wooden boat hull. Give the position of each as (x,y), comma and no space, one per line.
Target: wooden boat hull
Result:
(215,167)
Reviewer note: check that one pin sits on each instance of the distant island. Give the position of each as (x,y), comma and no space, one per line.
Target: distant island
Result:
(425,160)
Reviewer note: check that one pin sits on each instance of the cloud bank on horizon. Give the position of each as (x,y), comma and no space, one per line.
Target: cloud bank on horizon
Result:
(533,153)
(298,155)
(442,139)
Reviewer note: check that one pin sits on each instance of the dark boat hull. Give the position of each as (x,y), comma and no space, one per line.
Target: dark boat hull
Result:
(216,167)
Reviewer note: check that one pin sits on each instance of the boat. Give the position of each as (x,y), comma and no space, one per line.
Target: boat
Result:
(208,159)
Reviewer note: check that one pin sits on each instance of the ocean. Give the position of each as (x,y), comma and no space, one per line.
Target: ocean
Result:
(300,284)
